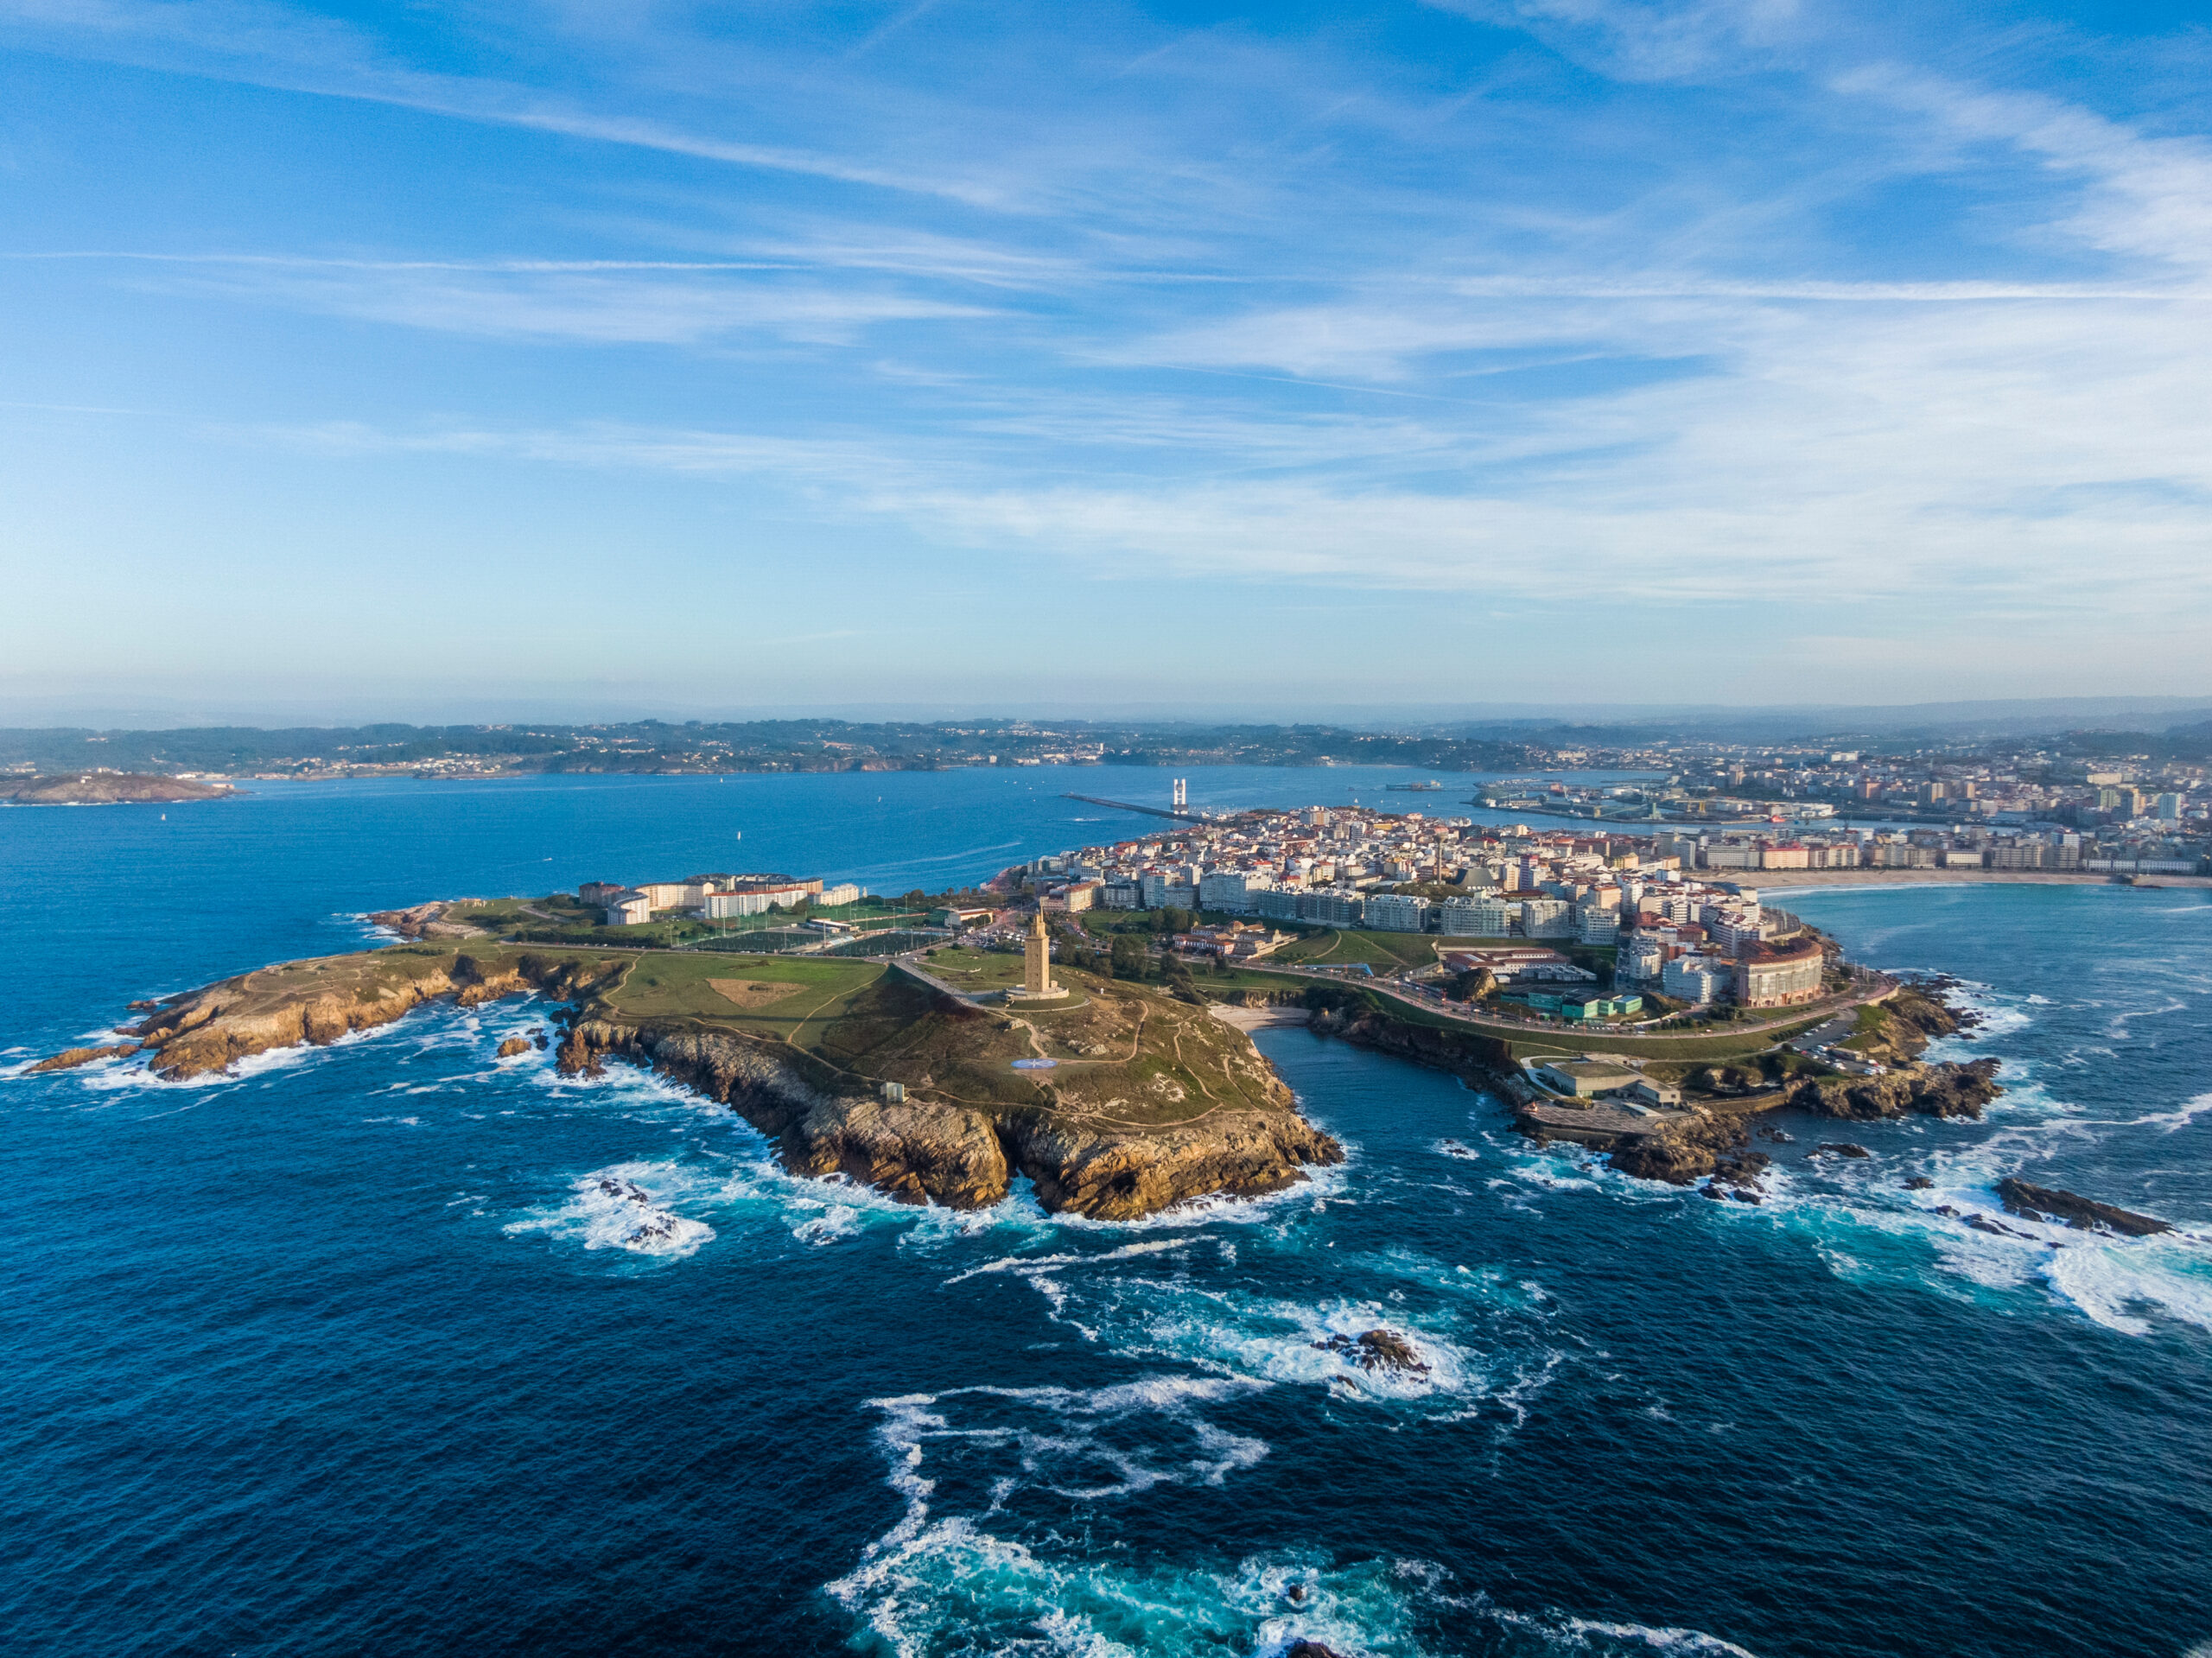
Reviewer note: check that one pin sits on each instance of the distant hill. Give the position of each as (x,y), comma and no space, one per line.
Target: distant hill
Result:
(109,789)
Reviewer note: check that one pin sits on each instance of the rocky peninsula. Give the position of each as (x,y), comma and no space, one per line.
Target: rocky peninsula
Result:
(110,789)
(1126,1102)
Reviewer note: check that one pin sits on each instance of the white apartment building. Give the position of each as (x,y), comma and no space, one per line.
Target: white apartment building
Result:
(1161,891)
(1232,894)
(1696,978)
(1644,956)
(1396,912)
(1478,917)
(721,907)
(1547,917)
(1596,924)
(1733,934)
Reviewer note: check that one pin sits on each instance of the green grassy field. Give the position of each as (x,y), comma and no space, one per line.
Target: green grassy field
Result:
(1873,1031)
(976,971)
(1386,951)
(1212,983)
(678,984)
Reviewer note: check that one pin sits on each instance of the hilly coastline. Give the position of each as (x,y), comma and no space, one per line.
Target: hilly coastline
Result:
(1124,1103)
(111,789)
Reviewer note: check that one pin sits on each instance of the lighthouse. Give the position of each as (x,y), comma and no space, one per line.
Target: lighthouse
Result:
(1037,967)
(1036,961)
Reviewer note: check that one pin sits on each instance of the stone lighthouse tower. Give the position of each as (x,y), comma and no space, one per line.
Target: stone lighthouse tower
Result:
(1036,962)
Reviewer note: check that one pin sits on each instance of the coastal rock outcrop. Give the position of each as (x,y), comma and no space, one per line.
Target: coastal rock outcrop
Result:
(1683,1154)
(1381,1349)
(831,1111)
(112,789)
(1948,1089)
(964,1157)
(1464,1053)
(1737,1175)
(70,1058)
(916,1153)
(1113,1176)
(319,1001)
(2051,1205)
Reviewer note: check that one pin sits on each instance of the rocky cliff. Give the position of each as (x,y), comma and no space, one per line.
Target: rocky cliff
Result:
(1948,1089)
(928,1147)
(963,1155)
(318,1002)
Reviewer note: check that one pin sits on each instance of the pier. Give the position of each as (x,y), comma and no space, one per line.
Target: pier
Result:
(1184,816)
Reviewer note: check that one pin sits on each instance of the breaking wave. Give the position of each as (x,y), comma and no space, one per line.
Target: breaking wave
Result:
(613,1208)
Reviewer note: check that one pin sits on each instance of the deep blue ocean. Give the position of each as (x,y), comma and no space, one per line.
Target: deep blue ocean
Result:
(339,1354)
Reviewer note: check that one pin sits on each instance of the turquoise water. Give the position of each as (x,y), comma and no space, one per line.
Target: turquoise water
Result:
(344,1354)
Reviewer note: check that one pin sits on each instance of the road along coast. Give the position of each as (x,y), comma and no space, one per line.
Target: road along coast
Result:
(1709,1134)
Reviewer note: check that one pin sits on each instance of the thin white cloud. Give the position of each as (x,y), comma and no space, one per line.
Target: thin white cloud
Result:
(2145,197)
(274,46)
(1696,392)
(593,303)
(1648,40)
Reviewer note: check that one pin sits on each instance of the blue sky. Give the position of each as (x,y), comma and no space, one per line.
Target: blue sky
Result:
(603,359)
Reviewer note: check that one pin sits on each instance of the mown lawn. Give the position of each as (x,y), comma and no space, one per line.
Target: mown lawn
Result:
(976,971)
(676,984)
(1351,948)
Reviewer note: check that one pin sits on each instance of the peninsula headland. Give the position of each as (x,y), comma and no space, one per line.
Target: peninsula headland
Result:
(1082,1021)
(110,789)
(1121,1103)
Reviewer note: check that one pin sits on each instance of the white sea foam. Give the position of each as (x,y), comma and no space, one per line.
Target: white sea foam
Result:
(1870,1229)
(1030,1264)
(838,1221)
(624,1207)
(2118,1027)
(970,1572)
(962,1570)
(1654,1638)
(2123,1285)
(2169,1122)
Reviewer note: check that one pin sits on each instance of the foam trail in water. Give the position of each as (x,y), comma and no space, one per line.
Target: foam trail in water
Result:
(1033,1263)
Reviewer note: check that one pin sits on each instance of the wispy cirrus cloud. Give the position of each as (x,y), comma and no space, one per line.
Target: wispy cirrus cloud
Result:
(1749,312)
(1648,40)
(628,301)
(283,48)
(2141,197)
